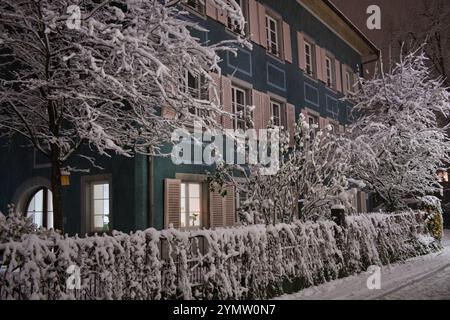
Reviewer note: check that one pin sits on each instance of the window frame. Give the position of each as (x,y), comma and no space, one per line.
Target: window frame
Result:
(311,55)
(187,205)
(234,29)
(198,9)
(46,198)
(234,104)
(87,183)
(331,77)
(349,80)
(277,32)
(280,110)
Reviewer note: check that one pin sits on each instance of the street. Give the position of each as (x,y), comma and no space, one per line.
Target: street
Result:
(420,278)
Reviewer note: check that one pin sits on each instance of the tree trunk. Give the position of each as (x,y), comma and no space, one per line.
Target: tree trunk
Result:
(58,222)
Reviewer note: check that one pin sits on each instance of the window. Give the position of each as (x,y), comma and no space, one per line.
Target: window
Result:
(329,71)
(276,113)
(309,59)
(232,25)
(272,34)
(40,208)
(313,121)
(240,108)
(100,209)
(349,81)
(193,85)
(190,204)
(196,5)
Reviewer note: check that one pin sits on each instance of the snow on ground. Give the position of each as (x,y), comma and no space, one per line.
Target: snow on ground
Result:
(426,277)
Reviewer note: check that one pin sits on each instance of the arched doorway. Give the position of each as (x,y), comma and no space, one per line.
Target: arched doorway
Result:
(40,208)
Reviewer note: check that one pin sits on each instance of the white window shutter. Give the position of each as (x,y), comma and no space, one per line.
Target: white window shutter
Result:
(254,21)
(230,206)
(172,198)
(291,121)
(287,42)
(211,10)
(262,25)
(319,63)
(338,76)
(216,210)
(227,120)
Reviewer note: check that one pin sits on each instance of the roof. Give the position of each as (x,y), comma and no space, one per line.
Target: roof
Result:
(327,12)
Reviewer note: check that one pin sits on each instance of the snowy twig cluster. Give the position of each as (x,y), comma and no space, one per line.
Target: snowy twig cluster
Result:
(236,263)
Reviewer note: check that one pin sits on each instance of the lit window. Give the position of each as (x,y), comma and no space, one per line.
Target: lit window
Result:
(40,208)
(100,200)
(190,204)
(442,176)
(313,121)
(329,71)
(276,113)
(272,35)
(309,59)
(240,108)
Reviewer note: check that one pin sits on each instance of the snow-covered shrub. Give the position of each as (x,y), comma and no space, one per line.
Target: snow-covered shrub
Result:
(249,262)
(397,130)
(312,169)
(435,220)
(15,225)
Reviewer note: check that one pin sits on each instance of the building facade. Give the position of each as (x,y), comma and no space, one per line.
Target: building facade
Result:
(306,56)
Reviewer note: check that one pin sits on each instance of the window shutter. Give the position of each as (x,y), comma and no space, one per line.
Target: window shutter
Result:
(254,21)
(362,202)
(257,112)
(262,25)
(172,209)
(230,206)
(323,122)
(338,76)
(319,63)
(212,95)
(344,78)
(227,121)
(216,212)
(323,54)
(290,117)
(211,10)
(287,42)
(222,16)
(301,51)
(168,112)
(265,110)
(355,82)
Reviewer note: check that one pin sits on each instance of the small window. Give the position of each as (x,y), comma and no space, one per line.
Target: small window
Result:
(194,86)
(100,206)
(349,81)
(313,121)
(240,108)
(190,204)
(197,5)
(309,59)
(40,208)
(276,113)
(272,29)
(329,72)
(232,25)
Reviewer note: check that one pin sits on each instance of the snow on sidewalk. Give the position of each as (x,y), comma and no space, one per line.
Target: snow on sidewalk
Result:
(426,277)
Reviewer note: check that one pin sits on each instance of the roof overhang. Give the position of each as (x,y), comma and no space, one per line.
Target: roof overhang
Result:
(338,23)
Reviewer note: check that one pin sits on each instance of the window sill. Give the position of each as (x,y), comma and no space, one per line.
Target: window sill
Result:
(275,57)
(312,78)
(195,12)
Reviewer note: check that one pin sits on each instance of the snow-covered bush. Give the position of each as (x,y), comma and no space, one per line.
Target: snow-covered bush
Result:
(396,142)
(311,170)
(15,225)
(109,75)
(244,262)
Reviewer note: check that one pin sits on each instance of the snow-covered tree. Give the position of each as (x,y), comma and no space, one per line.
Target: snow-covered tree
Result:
(403,146)
(310,180)
(98,73)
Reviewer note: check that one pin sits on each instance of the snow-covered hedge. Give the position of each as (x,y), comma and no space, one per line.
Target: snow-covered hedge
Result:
(244,262)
